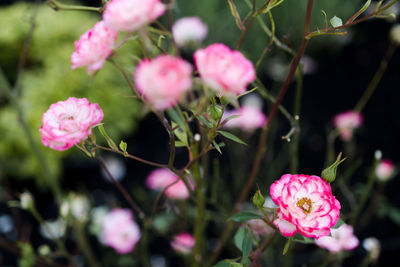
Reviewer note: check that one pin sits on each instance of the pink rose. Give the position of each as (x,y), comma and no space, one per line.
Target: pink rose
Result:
(93,48)
(226,71)
(346,122)
(189,29)
(120,230)
(183,243)
(384,170)
(306,205)
(66,123)
(163,80)
(161,178)
(131,15)
(250,118)
(341,238)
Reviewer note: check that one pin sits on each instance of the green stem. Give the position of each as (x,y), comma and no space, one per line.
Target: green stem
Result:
(144,253)
(58,6)
(294,145)
(377,78)
(84,245)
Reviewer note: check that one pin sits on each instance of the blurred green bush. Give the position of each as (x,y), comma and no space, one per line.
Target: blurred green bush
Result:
(47,78)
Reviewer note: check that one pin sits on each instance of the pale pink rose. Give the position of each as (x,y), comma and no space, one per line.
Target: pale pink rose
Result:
(93,48)
(163,80)
(161,178)
(259,227)
(183,243)
(384,170)
(341,238)
(189,29)
(131,15)
(225,71)
(120,230)
(347,122)
(66,123)
(306,205)
(250,118)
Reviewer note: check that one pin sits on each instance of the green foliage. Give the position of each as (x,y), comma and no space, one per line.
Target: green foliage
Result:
(28,255)
(244,216)
(48,78)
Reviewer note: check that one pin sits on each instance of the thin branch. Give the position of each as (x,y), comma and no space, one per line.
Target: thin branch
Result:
(57,6)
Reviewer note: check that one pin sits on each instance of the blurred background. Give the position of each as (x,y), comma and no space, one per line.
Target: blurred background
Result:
(338,69)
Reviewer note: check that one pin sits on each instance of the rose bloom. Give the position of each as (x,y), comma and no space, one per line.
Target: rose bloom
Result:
(306,205)
(93,48)
(189,29)
(226,71)
(346,122)
(66,123)
(341,238)
(163,177)
(183,243)
(384,170)
(163,80)
(131,15)
(120,230)
(250,118)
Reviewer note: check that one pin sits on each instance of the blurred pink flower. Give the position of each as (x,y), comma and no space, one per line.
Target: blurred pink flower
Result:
(346,122)
(66,123)
(183,243)
(161,178)
(384,170)
(189,29)
(225,71)
(120,230)
(163,80)
(306,205)
(250,118)
(259,227)
(131,15)
(341,238)
(93,48)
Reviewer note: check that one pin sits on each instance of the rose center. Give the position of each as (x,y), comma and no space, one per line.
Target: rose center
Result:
(68,123)
(305,205)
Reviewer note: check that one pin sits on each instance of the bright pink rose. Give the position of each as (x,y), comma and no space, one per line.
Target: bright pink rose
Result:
(163,80)
(66,123)
(93,48)
(131,15)
(250,118)
(341,238)
(161,178)
(346,122)
(183,243)
(306,205)
(189,29)
(226,71)
(384,170)
(120,230)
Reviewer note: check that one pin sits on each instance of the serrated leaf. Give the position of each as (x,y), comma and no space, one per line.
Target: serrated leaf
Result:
(110,142)
(123,146)
(246,244)
(232,137)
(339,223)
(217,147)
(336,22)
(204,121)
(244,216)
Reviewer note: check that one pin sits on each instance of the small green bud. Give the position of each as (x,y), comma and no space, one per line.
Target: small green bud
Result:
(26,201)
(44,250)
(214,111)
(258,199)
(329,174)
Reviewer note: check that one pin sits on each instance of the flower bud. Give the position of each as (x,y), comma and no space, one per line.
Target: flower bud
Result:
(44,250)
(26,201)
(258,199)
(214,111)
(329,174)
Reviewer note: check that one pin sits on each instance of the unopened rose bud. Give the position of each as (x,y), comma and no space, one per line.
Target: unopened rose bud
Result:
(329,174)
(258,199)
(214,111)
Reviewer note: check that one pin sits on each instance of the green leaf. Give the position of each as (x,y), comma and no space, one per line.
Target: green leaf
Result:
(246,244)
(359,12)
(244,216)
(336,22)
(179,144)
(394,215)
(236,15)
(204,121)
(180,134)
(110,142)
(217,147)
(247,92)
(232,137)
(176,118)
(287,245)
(223,263)
(238,238)
(298,238)
(339,223)
(123,146)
